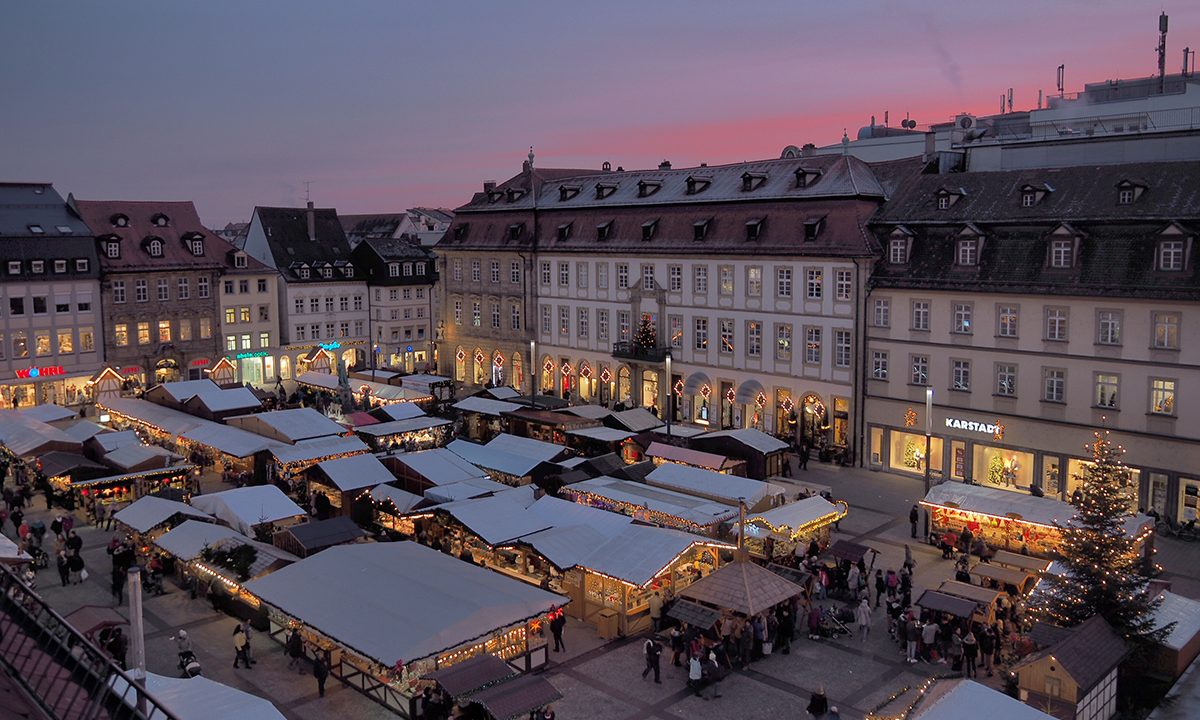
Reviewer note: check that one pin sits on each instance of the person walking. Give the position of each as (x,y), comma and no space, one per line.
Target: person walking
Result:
(881,586)
(320,672)
(239,647)
(818,704)
(803,455)
(249,633)
(653,651)
(75,565)
(676,646)
(63,571)
(970,648)
(913,516)
(295,650)
(909,563)
(74,542)
(987,646)
(656,608)
(556,629)
(862,615)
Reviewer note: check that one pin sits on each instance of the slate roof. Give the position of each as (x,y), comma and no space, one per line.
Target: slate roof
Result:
(182,222)
(398,249)
(25,204)
(1116,243)
(1088,653)
(362,227)
(286,230)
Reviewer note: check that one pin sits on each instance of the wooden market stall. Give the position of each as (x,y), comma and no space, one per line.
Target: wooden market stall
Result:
(742,588)
(599,441)
(657,506)
(759,496)
(419,471)
(410,435)
(255,509)
(661,453)
(788,529)
(1002,578)
(149,517)
(125,488)
(344,479)
(412,611)
(365,392)
(1021,562)
(483,418)
(986,600)
(763,454)
(309,538)
(547,425)
(1011,521)
(288,462)
(512,463)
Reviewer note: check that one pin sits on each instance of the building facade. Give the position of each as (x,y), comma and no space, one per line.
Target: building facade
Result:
(50,336)
(734,289)
(402,278)
(322,296)
(159,273)
(249,317)
(1039,306)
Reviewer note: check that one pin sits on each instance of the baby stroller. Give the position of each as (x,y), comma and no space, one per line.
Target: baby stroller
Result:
(832,624)
(40,559)
(37,531)
(188,664)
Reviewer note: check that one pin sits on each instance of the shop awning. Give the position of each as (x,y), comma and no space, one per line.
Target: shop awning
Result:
(694,382)
(516,698)
(694,614)
(941,602)
(748,391)
(470,675)
(1016,578)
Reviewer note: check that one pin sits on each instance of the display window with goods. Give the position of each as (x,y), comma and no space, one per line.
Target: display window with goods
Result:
(1002,468)
(907,453)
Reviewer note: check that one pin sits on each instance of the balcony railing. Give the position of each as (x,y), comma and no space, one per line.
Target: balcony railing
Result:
(60,669)
(630,351)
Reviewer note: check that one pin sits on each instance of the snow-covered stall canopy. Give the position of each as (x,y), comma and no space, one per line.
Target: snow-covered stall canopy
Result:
(243,508)
(355,472)
(955,699)
(485,406)
(317,449)
(23,435)
(191,537)
(651,504)
(48,413)
(147,513)
(289,426)
(796,519)
(199,698)
(715,486)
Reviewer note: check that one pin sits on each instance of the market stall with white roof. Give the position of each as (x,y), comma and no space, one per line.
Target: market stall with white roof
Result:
(246,508)
(728,489)
(657,506)
(789,529)
(151,516)
(343,480)
(411,434)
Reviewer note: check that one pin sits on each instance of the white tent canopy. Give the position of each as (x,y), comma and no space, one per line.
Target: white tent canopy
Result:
(199,698)
(148,512)
(401,600)
(709,484)
(356,472)
(243,508)
(186,541)
(962,698)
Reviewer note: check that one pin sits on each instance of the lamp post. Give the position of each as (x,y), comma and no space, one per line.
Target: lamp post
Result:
(928,434)
(670,395)
(533,371)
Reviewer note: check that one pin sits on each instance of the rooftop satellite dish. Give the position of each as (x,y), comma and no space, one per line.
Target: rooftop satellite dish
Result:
(790,152)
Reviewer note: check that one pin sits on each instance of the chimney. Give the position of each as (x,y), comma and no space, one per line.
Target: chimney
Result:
(489,186)
(809,150)
(312,222)
(664,165)
(930,147)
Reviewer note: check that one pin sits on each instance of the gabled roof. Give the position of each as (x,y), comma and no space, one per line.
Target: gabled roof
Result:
(288,425)
(1088,653)
(355,472)
(708,484)
(47,413)
(439,466)
(325,533)
(148,512)
(1184,612)
(182,223)
(243,508)
(635,419)
(743,587)
(754,439)
(286,231)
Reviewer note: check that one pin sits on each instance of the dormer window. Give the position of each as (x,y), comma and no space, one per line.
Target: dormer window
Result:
(603,190)
(813,228)
(60,267)
(700,229)
(1031,194)
(1028,198)
(564,231)
(155,247)
(327,272)
(514,194)
(945,198)
(119,220)
(160,220)
(112,249)
(1171,255)
(493,195)
(515,230)
(567,192)
(196,245)
(1128,192)
(303,273)
(968,252)
(898,250)
(460,231)
(646,188)
(806,176)
(649,229)
(943,202)
(393,269)
(37,267)
(36,230)
(1125,196)
(239,260)
(754,229)
(752,181)
(348,271)
(1062,253)
(604,230)
(697,184)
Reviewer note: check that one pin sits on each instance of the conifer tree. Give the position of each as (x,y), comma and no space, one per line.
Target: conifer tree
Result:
(645,336)
(1100,565)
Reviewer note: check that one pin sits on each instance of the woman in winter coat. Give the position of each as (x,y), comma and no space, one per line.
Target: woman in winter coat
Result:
(75,566)
(862,616)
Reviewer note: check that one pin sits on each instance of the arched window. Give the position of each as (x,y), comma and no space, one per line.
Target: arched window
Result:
(547,385)
(498,369)
(285,367)
(481,373)
(156,248)
(517,374)
(624,386)
(460,364)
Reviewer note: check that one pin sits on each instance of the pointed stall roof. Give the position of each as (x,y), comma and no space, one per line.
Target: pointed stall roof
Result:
(147,513)
(243,508)
(356,472)
(742,587)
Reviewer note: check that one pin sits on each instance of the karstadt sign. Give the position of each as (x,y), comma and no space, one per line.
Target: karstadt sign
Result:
(973,426)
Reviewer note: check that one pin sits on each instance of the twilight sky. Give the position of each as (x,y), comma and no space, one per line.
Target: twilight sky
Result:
(389,105)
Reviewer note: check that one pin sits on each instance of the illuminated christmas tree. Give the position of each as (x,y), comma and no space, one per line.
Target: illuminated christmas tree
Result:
(1099,558)
(645,337)
(912,454)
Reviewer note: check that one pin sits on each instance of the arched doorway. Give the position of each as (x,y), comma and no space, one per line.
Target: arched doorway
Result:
(498,368)
(517,374)
(649,388)
(350,359)
(481,373)
(624,386)
(285,367)
(812,421)
(460,364)
(568,378)
(587,382)
(166,370)
(546,385)
(751,400)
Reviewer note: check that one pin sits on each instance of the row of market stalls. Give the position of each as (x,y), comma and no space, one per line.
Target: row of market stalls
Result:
(364,392)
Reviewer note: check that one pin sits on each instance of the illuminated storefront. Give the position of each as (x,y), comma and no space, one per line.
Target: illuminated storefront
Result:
(39,385)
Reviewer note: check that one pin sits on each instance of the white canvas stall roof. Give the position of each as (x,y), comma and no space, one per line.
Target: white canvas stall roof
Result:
(232,441)
(497,518)
(1005,503)
(402,411)
(796,514)
(183,390)
(110,441)
(47,413)
(198,698)
(222,400)
(355,472)
(440,466)
(316,448)
(25,436)
(637,419)
(266,558)
(319,379)
(712,485)
(526,447)
(565,546)
(686,507)
(503,392)
(591,412)
(408,602)
(390,392)
(425,379)
(84,430)
(485,406)
(147,512)
(753,439)
(494,459)
(473,488)
(288,425)
(603,434)
(243,508)
(189,538)
(1184,612)
(962,698)
(403,500)
(398,427)
(165,418)
(690,456)
(129,456)
(683,431)
(639,552)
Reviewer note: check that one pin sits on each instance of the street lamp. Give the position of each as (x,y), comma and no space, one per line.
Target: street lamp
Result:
(533,371)
(670,395)
(928,434)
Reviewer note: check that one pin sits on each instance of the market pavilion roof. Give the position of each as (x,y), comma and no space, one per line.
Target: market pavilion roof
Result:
(743,587)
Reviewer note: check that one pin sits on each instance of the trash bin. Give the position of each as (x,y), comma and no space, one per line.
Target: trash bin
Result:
(606,624)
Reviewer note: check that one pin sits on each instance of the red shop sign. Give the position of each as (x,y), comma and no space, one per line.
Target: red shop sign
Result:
(200,362)
(131,370)
(35,372)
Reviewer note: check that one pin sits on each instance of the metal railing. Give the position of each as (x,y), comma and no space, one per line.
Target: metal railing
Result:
(633,351)
(63,672)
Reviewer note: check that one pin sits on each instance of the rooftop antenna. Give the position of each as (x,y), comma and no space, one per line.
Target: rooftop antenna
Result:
(1189,61)
(1162,52)
(885,118)
(1001,103)
(1062,73)
(1010,99)
(1039,107)
(307,190)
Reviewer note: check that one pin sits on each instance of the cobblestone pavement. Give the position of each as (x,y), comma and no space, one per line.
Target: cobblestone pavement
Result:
(602,681)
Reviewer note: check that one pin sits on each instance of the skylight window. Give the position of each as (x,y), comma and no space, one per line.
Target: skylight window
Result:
(37,230)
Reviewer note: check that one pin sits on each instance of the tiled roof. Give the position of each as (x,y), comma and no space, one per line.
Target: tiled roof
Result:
(286,230)
(398,249)
(182,222)
(382,225)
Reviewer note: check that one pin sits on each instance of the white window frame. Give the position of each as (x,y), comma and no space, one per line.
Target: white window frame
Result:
(1054,385)
(879,364)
